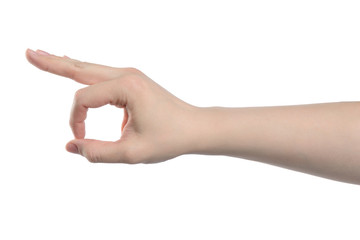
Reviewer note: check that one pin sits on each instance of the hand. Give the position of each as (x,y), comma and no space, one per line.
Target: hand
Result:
(157,126)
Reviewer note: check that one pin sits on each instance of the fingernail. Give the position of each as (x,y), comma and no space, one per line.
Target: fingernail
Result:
(70,147)
(32,52)
(41,52)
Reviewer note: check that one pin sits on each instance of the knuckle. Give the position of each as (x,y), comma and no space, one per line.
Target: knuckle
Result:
(132,70)
(79,64)
(135,82)
(77,67)
(78,94)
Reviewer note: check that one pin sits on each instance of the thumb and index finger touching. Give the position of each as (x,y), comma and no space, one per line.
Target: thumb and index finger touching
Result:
(90,97)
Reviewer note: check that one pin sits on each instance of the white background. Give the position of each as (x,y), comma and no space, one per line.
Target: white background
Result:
(224,53)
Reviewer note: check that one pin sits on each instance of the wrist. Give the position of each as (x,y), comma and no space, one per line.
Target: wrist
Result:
(205,130)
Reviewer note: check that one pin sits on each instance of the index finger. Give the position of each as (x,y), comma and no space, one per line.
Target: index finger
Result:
(82,72)
(93,97)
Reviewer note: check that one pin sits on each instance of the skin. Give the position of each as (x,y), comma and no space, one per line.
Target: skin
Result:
(319,139)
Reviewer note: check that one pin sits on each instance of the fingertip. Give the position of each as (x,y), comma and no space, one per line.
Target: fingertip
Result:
(30,51)
(71,147)
(33,58)
(79,132)
(79,136)
(29,54)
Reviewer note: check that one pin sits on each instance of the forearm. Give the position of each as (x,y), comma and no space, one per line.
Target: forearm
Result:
(319,139)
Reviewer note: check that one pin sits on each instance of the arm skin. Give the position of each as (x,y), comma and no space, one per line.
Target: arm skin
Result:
(319,139)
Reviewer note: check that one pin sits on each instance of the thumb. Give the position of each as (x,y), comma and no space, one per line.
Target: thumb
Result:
(100,151)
